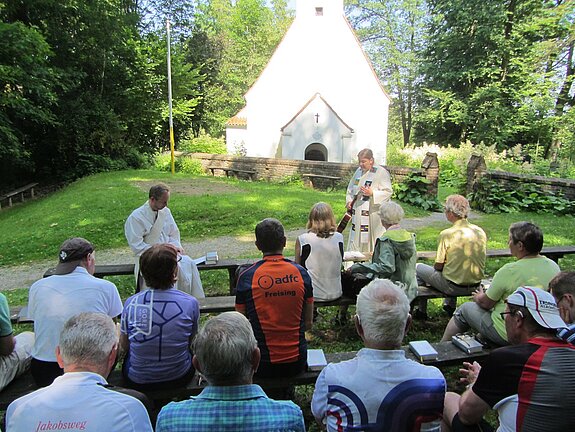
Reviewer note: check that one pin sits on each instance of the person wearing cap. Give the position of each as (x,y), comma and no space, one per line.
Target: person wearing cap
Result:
(562,287)
(530,383)
(483,313)
(153,223)
(70,290)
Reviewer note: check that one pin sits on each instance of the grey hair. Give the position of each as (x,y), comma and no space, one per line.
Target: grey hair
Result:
(88,339)
(458,205)
(224,348)
(383,308)
(390,213)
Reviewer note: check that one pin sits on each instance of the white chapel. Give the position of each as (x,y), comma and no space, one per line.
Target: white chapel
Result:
(318,98)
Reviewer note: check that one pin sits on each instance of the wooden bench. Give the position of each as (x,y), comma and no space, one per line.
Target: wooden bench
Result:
(105,270)
(449,355)
(311,177)
(20,191)
(552,252)
(233,171)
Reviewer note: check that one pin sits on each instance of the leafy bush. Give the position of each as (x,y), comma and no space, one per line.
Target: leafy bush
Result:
(294,179)
(189,165)
(204,144)
(492,197)
(414,191)
(182,164)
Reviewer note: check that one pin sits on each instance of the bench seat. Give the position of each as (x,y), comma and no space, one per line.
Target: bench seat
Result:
(20,191)
(331,179)
(233,171)
(449,355)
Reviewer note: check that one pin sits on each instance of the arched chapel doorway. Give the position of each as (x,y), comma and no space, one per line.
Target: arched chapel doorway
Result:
(316,152)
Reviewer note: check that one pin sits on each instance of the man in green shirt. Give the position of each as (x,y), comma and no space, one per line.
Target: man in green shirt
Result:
(531,269)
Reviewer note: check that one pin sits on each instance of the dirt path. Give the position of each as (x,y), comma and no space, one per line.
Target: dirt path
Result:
(22,276)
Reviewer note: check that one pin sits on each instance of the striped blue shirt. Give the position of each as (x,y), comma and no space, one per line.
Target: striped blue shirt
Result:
(231,408)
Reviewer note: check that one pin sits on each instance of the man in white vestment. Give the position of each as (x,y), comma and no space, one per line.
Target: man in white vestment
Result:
(153,223)
(371,184)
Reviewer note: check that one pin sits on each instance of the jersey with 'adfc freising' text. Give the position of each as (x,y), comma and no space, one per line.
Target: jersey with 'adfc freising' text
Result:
(272,293)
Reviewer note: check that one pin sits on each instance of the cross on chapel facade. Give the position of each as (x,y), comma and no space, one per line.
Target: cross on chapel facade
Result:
(320,101)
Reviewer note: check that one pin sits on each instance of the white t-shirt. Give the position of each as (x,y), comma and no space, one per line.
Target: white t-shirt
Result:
(323,263)
(75,402)
(378,390)
(55,299)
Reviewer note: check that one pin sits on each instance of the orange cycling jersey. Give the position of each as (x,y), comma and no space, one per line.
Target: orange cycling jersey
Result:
(272,294)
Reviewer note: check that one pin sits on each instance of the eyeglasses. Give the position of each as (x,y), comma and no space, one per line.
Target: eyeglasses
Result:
(502,314)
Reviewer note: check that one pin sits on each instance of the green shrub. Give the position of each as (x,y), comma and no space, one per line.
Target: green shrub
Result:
(162,162)
(188,165)
(414,191)
(203,144)
(492,197)
(294,179)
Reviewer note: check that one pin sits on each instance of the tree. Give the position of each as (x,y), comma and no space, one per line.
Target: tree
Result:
(27,96)
(497,72)
(392,33)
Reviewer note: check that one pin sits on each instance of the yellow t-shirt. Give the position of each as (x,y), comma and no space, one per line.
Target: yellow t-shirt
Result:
(462,251)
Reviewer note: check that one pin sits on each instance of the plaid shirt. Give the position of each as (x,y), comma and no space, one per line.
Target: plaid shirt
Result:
(233,408)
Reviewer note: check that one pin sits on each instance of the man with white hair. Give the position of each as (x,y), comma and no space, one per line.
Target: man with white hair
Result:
(380,389)
(226,354)
(153,223)
(530,382)
(79,400)
(460,258)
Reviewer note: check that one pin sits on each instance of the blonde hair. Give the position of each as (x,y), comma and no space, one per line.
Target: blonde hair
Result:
(321,220)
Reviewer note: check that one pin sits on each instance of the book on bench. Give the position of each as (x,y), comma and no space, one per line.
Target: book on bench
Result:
(467,343)
(423,350)
(315,360)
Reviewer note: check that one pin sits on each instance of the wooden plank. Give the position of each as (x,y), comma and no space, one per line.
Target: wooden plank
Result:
(449,355)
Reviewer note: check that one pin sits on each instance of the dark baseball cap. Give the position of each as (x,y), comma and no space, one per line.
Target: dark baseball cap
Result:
(71,254)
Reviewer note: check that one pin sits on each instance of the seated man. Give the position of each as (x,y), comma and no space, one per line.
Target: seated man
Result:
(460,258)
(153,223)
(71,290)
(380,389)
(276,295)
(226,354)
(79,400)
(529,383)
(562,287)
(14,350)
(483,313)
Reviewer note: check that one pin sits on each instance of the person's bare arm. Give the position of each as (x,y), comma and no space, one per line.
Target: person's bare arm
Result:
(297,258)
(124,343)
(471,408)
(482,300)
(308,315)
(438,266)
(7,345)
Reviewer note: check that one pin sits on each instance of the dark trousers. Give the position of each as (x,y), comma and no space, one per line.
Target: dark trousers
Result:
(44,373)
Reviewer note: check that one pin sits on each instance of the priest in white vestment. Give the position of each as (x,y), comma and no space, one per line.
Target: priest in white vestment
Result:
(371,184)
(153,223)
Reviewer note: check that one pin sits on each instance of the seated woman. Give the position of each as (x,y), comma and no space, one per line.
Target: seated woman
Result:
(320,251)
(158,325)
(394,255)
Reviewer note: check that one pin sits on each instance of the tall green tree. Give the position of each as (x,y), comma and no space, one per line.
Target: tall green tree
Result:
(495,71)
(393,34)
(27,97)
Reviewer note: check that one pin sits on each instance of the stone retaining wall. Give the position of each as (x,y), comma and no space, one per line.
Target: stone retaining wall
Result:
(476,169)
(277,169)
